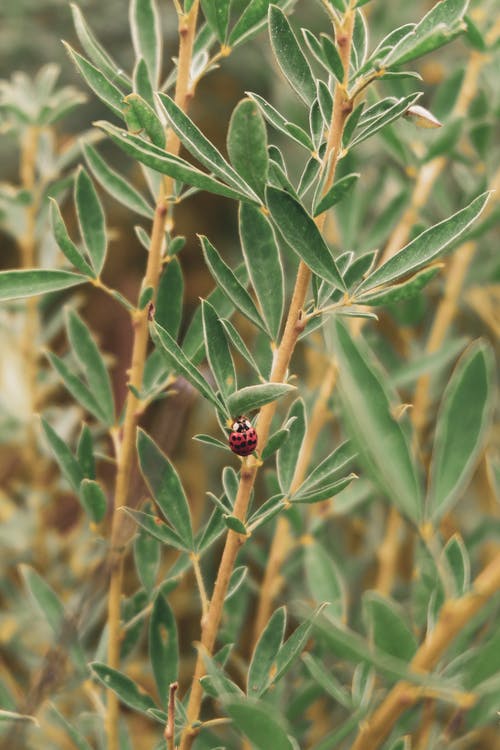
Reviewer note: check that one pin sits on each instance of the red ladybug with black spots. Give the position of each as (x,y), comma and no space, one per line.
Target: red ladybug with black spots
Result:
(243,438)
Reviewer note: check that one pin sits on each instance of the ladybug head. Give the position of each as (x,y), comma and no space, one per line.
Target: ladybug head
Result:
(240,424)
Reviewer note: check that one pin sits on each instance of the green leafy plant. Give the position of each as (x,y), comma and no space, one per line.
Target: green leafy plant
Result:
(358,532)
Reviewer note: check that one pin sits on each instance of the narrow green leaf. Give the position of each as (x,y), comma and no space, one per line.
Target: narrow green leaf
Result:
(93,500)
(302,234)
(263,261)
(293,647)
(90,360)
(458,562)
(274,443)
(288,457)
(254,396)
(96,52)
(238,343)
(85,452)
(324,580)
(279,122)
(263,663)
(330,469)
(323,491)
(150,155)
(209,440)
(252,19)
(441,24)
(177,360)
(327,681)
(146,33)
(147,554)
(142,83)
(229,283)
(76,387)
(157,528)
(247,144)
(90,219)
(198,145)
(387,628)
(67,462)
(332,57)
(168,305)
(67,247)
(337,192)
(462,424)
(289,56)
(373,429)
(259,723)
(128,691)
(163,647)
(237,577)
(400,292)
(217,348)
(366,129)
(97,81)
(235,524)
(45,597)
(141,116)
(18,284)
(165,485)
(75,736)
(217,14)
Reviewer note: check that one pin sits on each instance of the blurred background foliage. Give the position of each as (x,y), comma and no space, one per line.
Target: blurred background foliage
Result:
(46,527)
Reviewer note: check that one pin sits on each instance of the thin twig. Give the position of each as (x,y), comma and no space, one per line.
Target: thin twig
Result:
(201,585)
(187,29)
(170,726)
(293,327)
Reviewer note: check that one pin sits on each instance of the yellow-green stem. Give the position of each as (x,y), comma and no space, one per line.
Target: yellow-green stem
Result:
(293,327)
(125,458)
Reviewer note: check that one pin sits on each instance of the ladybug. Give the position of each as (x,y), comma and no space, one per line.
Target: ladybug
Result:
(243,438)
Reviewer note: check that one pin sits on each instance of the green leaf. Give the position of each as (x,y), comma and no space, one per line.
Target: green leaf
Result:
(332,57)
(90,360)
(75,736)
(327,681)
(76,387)
(462,424)
(67,462)
(322,492)
(173,166)
(254,396)
(177,361)
(324,579)
(437,27)
(217,348)
(288,457)
(238,343)
(163,647)
(302,234)
(85,452)
(93,500)
(90,220)
(374,431)
(147,553)
(289,56)
(399,292)
(259,723)
(168,304)
(100,85)
(252,19)
(142,83)
(247,144)
(126,689)
(18,284)
(165,486)
(96,52)
(263,663)
(45,597)
(209,440)
(146,33)
(141,116)
(337,192)
(235,524)
(157,528)
(274,443)
(198,145)
(330,469)
(67,247)
(237,577)
(263,262)
(279,122)
(217,14)
(368,127)
(387,628)
(458,562)
(293,647)
(229,283)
